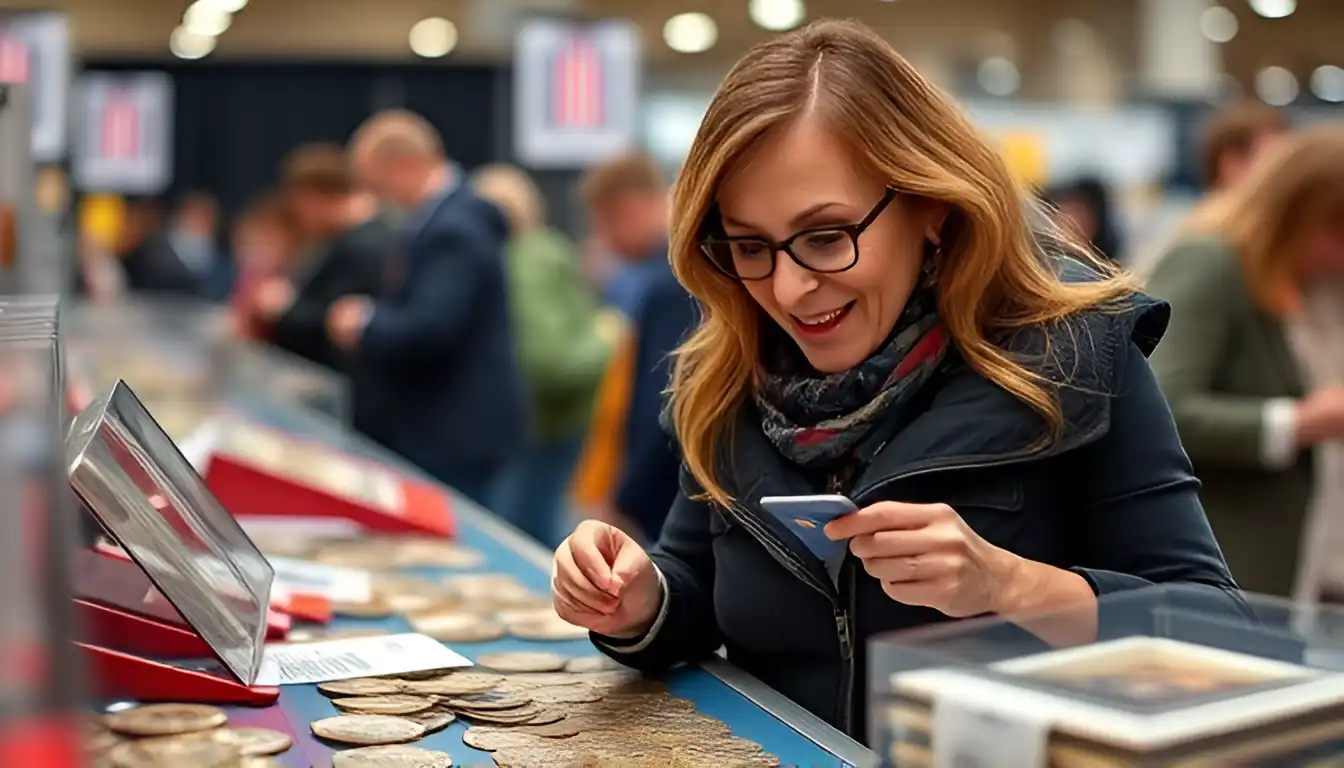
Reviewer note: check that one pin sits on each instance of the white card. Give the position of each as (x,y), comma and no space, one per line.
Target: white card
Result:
(324,661)
(983,732)
(340,585)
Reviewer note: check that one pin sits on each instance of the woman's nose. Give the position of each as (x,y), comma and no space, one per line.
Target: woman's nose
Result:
(791,281)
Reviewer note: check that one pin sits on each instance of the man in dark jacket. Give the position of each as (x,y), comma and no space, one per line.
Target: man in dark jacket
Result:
(436,344)
(626,200)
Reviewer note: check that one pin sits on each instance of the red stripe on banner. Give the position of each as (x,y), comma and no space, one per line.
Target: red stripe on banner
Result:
(578,84)
(14,62)
(598,82)
(120,128)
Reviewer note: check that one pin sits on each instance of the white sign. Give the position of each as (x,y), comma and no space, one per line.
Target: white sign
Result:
(324,661)
(35,51)
(124,141)
(576,91)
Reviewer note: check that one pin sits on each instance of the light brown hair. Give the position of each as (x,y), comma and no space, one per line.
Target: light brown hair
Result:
(632,173)
(397,133)
(321,168)
(1288,192)
(510,188)
(992,280)
(1235,130)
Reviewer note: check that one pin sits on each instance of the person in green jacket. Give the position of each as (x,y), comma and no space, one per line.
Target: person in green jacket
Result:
(562,348)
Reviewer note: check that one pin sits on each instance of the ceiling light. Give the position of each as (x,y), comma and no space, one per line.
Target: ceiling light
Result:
(1276,86)
(1327,83)
(433,37)
(690,33)
(226,6)
(1218,24)
(777,15)
(204,19)
(186,44)
(1274,9)
(999,76)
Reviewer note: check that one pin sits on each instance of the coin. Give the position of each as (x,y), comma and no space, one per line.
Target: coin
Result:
(361,686)
(489,738)
(166,719)
(251,742)
(437,554)
(376,607)
(547,629)
(391,757)
(257,762)
(434,721)
(384,705)
(486,702)
(524,661)
(174,750)
(453,685)
(367,729)
(456,627)
(406,594)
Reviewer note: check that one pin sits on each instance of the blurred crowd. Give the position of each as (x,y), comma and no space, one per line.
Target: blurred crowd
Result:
(528,370)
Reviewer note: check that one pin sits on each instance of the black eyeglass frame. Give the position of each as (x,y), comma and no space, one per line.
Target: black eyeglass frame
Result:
(852,230)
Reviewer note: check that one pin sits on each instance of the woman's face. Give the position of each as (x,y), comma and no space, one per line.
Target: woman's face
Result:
(802,179)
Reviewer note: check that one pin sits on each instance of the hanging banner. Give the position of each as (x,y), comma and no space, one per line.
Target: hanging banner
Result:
(124,142)
(35,51)
(576,91)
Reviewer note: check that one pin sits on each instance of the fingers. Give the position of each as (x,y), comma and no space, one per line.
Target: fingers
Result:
(903,543)
(905,570)
(884,516)
(594,549)
(572,587)
(631,559)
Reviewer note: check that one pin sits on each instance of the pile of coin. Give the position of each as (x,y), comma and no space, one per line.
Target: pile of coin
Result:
(174,735)
(531,709)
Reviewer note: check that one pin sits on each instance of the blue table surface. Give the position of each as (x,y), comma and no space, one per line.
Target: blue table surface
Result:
(303,704)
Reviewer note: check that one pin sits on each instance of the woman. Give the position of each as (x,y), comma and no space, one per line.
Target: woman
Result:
(1253,364)
(562,350)
(264,246)
(879,320)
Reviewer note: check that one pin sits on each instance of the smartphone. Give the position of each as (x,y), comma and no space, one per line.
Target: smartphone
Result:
(806,516)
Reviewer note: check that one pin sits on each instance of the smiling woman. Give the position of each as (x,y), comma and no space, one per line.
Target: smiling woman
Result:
(884,318)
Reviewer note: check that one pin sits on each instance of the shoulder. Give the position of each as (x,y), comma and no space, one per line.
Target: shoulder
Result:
(464,216)
(1196,257)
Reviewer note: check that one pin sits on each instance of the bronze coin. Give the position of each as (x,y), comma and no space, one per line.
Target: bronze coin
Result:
(174,750)
(491,739)
(452,685)
(362,686)
(547,629)
(593,664)
(433,720)
(251,742)
(398,704)
(456,627)
(367,730)
(525,661)
(486,702)
(391,757)
(166,719)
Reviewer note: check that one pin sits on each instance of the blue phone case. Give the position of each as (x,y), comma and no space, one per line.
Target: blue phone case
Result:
(807,516)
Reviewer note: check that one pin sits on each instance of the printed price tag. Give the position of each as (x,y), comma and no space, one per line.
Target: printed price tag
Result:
(985,733)
(339,585)
(320,662)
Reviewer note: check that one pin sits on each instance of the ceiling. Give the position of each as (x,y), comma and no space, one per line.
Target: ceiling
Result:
(936,34)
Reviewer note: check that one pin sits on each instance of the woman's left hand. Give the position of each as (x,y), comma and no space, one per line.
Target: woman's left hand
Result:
(925,554)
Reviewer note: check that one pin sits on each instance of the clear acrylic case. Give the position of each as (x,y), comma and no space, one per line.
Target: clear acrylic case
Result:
(1177,676)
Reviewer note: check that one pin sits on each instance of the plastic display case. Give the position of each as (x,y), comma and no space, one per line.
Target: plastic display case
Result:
(1177,676)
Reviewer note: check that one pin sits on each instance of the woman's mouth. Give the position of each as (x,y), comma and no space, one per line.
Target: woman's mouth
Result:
(821,324)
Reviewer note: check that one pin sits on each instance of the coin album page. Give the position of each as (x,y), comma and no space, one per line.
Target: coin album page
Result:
(315,467)
(1133,695)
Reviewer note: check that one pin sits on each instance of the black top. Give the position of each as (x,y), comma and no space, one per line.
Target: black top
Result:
(1113,498)
(438,356)
(351,265)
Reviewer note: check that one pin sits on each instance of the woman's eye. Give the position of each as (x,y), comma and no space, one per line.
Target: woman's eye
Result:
(823,239)
(750,249)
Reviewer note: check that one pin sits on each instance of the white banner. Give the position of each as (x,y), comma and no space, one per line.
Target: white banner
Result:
(124,138)
(576,91)
(35,51)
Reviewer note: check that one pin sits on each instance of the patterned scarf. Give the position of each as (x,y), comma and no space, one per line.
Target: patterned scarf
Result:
(829,422)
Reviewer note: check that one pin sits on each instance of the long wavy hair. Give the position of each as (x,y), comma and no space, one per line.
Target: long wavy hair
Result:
(1289,191)
(992,277)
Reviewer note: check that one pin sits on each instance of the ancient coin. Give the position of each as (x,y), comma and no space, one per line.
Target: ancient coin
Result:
(452,685)
(567,694)
(399,704)
(456,627)
(407,595)
(376,607)
(251,742)
(100,740)
(490,739)
(486,702)
(362,686)
(422,674)
(391,757)
(166,719)
(433,720)
(593,664)
(437,554)
(367,730)
(522,661)
(547,629)
(482,584)
(173,750)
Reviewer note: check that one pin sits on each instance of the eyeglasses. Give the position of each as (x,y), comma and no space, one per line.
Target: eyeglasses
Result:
(822,249)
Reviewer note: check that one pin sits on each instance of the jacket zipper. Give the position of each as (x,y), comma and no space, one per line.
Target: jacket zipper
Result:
(843,619)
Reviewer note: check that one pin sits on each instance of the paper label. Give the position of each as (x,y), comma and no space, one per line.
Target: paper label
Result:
(302,527)
(985,733)
(339,585)
(324,661)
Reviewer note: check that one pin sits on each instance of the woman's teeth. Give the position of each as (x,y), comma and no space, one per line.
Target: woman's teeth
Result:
(826,318)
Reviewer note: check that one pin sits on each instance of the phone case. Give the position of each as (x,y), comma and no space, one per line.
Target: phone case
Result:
(806,517)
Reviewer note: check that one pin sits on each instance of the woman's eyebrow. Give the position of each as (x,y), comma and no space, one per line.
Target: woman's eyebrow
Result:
(798,219)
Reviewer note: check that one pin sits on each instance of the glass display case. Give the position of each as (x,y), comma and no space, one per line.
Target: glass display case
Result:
(1176,676)
(272,374)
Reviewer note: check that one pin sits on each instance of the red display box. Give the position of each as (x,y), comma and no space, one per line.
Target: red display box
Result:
(259,472)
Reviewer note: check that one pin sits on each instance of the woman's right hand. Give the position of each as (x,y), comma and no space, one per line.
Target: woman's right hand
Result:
(604,581)
(1320,417)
